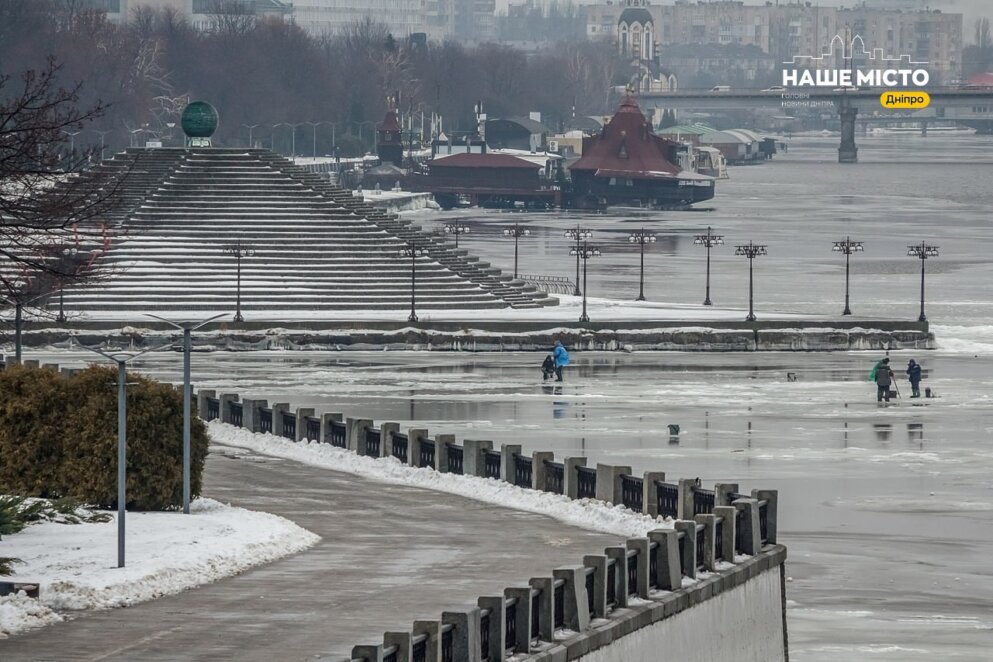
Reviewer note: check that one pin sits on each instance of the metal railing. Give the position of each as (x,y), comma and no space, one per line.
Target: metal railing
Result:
(426,458)
(288,425)
(554,477)
(703,500)
(373,441)
(550,284)
(213,409)
(668,499)
(337,434)
(632,492)
(491,463)
(313,428)
(455,459)
(401,444)
(523,470)
(265,420)
(237,411)
(586,483)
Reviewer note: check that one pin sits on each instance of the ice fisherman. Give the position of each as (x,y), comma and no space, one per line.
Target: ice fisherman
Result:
(561,357)
(547,368)
(883,376)
(914,375)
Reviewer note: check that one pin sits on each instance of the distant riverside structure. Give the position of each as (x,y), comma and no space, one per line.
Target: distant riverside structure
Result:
(643,29)
(202,14)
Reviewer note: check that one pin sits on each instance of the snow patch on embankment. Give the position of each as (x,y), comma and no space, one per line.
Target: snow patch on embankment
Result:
(167,552)
(584,513)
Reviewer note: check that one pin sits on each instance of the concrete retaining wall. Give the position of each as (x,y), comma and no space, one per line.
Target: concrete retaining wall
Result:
(496,337)
(740,624)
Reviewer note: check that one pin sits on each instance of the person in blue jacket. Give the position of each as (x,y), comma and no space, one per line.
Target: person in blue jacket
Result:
(561,357)
(914,375)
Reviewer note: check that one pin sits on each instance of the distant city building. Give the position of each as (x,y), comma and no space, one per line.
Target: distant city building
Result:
(202,14)
(401,17)
(781,30)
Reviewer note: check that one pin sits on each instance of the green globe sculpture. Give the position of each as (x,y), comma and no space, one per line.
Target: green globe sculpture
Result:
(199,120)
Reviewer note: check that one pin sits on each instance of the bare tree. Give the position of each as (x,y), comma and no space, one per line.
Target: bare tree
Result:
(50,212)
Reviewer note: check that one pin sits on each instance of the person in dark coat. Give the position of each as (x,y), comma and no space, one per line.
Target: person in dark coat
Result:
(548,368)
(914,375)
(884,379)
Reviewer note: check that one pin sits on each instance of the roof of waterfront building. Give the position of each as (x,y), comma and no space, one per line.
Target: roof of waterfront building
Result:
(627,144)
(488,160)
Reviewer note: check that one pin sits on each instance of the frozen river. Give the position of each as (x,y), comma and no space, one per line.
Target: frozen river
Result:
(887,512)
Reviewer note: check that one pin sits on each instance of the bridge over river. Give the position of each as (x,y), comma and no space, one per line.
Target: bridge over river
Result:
(970,107)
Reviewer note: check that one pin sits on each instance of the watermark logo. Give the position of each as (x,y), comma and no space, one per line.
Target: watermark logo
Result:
(914,100)
(868,68)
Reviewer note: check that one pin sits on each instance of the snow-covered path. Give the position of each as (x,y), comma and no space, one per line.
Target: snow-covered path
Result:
(388,554)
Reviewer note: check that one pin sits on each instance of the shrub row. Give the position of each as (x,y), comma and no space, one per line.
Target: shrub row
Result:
(58,438)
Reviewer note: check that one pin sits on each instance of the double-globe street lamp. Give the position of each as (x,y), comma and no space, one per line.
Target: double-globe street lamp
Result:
(641,238)
(708,240)
(456,229)
(584,253)
(251,128)
(187,328)
(516,231)
(413,251)
(293,135)
(922,251)
(239,251)
(579,235)
(847,246)
(751,251)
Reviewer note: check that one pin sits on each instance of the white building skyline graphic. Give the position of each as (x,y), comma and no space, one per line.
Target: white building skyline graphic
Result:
(847,53)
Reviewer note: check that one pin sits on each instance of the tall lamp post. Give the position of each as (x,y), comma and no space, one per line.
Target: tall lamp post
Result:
(751,251)
(584,253)
(239,251)
(67,254)
(313,149)
(293,136)
(187,328)
(708,240)
(641,238)
(19,304)
(847,246)
(103,135)
(456,229)
(516,231)
(121,359)
(579,235)
(72,140)
(922,251)
(413,251)
(251,128)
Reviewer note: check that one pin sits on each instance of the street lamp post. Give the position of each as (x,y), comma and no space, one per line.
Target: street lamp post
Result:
(187,328)
(102,136)
(121,359)
(585,252)
(293,136)
(708,240)
(72,140)
(641,238)
(580,235)
(456,229)
(516,231)
(313,149)
(19,320)
(922,251)
(413,251)
(847,246)
(239,251)
(751,251)
(66,253)
(250,127)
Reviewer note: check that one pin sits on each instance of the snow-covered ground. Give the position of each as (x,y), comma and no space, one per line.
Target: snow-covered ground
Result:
(167,552)
(584,513)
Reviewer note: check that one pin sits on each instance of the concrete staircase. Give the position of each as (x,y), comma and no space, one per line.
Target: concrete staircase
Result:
(316,248)
(517,293)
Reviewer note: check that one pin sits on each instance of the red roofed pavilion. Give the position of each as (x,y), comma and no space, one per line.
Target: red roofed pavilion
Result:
(626,163)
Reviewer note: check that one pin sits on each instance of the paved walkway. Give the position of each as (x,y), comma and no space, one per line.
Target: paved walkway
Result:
(389,555)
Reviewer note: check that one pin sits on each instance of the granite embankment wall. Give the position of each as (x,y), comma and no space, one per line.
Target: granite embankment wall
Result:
(706,583)
(492,336)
